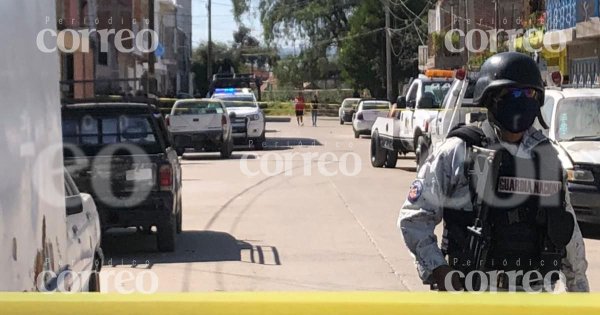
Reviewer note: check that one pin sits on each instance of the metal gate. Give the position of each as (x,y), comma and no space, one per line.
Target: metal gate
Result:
(585,71)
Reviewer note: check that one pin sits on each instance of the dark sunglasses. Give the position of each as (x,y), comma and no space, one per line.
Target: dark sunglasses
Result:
(519,92)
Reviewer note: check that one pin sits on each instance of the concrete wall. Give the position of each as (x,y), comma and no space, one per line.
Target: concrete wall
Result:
(33,231)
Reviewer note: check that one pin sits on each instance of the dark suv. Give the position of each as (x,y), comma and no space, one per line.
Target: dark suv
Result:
(121,154)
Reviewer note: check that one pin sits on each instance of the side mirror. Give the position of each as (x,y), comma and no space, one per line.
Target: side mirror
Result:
(426,102)
(232,115)
(401,102)
(74,205)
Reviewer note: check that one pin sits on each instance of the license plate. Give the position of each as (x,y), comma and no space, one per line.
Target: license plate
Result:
(141,174)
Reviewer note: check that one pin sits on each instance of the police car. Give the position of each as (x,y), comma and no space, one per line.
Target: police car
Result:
(573,115)
(247,119)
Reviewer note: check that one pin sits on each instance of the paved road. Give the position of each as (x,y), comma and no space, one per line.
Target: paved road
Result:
(308,214)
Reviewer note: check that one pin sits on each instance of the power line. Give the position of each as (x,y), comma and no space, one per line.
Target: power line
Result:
(349,36)
(387,5)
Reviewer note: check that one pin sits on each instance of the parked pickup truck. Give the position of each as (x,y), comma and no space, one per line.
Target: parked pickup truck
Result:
(203,125)
(573,115)
(406,130)
(121,154)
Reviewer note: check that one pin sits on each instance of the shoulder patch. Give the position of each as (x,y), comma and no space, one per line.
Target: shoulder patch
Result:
(416,188)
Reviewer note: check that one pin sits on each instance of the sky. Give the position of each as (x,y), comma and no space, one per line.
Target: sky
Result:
(223,23)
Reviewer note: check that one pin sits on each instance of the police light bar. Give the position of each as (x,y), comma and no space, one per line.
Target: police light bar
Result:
(439,73)
(225,91)
(232,91)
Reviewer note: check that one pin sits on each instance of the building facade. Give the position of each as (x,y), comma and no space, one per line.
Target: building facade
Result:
(576,23)
(116,63)
(481,18)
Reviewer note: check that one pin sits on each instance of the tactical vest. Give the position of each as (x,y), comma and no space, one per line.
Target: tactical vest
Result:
(524,217)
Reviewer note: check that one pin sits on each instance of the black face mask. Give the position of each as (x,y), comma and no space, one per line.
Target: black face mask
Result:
(516,114)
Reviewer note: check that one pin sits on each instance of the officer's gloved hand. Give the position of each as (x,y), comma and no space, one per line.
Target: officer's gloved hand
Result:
(439,276)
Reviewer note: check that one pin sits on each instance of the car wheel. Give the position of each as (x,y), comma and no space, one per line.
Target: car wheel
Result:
(179,216)
(94,282)
(180,151)
(260,143)
(391,159)
(226,149)
(165,238)
(421,151)
(378,155)
(341,121)
(356,134)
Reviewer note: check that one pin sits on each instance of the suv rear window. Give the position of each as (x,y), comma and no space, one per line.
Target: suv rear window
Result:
(92,133)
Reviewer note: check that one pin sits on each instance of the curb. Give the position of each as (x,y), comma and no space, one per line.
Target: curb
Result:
(281,119)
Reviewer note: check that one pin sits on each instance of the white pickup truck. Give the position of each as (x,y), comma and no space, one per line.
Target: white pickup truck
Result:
(202,124)
(406,130)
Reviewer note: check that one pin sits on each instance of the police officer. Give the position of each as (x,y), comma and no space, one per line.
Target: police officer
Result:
(530,212)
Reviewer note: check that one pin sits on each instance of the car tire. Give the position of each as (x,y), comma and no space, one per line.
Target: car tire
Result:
(341,121)
(356,134)
(259,145)
(165,236)
(226,149)
(421,151)
(180,151)
(378,155)
(94,281)
(179,216)
(391,159)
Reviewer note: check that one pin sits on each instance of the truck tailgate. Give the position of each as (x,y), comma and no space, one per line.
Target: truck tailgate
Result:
(372,115)
(113,179)
(195,123)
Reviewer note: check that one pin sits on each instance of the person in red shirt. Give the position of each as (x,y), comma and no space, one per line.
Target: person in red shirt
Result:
(299,106)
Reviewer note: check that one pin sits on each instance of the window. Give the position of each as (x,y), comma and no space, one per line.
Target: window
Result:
(578,119)
(437,91)
(199,108)
(97,131)
(103,58)
(376,105)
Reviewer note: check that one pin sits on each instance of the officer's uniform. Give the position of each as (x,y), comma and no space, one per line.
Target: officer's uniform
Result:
(442,184)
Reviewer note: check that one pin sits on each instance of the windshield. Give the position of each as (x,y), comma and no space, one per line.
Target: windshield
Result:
(197,108)
(95,132)
(350,103)
(437,91)
(578,119)
(376,105)
(238,101)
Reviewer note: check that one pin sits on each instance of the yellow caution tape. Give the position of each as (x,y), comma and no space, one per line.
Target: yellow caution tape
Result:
(375,303)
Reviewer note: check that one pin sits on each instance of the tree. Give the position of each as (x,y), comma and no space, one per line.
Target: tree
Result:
(353,29)
(226,60)
(317,24)
(362,54)
(250,50)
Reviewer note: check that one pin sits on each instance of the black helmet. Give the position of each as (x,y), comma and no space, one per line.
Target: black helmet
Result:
(508,70)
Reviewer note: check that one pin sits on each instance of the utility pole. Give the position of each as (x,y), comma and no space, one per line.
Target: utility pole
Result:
(151,57)
(209,68)
(388,53)
(497,18)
